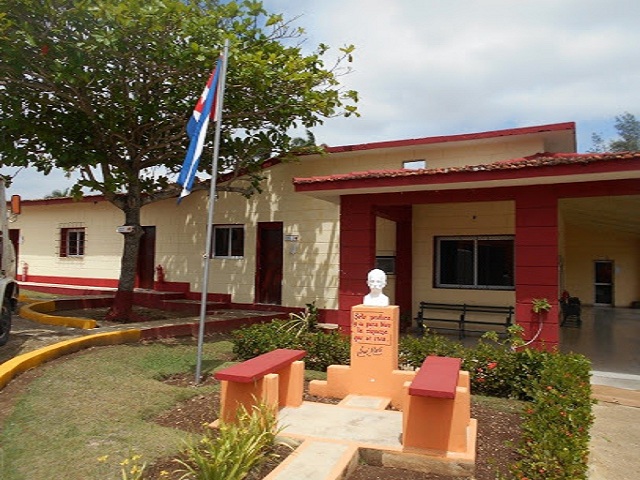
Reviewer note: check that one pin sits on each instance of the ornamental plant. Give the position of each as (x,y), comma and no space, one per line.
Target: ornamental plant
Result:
(236,449)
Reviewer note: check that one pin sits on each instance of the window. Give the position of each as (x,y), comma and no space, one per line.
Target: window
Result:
(475,262)
(228,241)
(414,164)
(72,241)
(386,263)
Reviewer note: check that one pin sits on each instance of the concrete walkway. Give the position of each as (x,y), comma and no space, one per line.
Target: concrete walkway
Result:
(615,435)
(333,439)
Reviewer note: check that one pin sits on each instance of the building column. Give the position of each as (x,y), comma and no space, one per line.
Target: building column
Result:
(357,254)
(404,261)
(536,264)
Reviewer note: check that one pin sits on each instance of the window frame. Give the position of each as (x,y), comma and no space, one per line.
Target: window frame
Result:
(80,245)
(438,283)
(230,243)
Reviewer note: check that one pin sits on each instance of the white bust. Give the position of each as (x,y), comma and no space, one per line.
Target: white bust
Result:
(376,280)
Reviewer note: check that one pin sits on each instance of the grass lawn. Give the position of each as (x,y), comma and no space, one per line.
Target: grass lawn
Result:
(99,404)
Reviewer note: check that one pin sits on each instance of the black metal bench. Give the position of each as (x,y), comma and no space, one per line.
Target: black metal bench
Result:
(465,318)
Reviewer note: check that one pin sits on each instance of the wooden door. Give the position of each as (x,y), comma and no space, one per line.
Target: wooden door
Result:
(269,263)
(145,268)
(603,282)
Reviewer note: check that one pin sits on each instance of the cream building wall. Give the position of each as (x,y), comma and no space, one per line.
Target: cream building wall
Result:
(310,265)
(440,155)
(40,240)
(451,219)
(583,246)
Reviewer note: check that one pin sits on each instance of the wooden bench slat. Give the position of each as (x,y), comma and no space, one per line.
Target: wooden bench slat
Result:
(437,377)
(257,367)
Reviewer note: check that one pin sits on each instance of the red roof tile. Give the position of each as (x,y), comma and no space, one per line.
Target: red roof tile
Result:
(535,161)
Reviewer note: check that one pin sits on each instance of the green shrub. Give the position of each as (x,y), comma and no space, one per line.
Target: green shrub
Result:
(555,430)
(414,350)
(254,340)
(323,349)
(501,369)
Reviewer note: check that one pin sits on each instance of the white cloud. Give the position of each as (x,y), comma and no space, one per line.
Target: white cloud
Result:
(436,67)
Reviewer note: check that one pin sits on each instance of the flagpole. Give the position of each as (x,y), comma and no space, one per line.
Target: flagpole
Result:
(212,201)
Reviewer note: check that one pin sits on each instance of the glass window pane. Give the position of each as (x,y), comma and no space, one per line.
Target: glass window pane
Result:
(221,242)
(495,263)
(237,242)
(456,262)
(75,242)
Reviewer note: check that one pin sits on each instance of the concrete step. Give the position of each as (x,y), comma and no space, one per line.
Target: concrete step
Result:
(192,306)
(317,460)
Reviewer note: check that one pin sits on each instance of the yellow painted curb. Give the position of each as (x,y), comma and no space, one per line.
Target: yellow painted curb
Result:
(11,368)
(26,299)
(38,313)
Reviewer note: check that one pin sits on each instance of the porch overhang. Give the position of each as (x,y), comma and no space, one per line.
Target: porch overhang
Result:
(541,169)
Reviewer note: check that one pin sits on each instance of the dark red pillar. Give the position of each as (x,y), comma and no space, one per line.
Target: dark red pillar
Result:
(404,260)
(357,254)
(536,264)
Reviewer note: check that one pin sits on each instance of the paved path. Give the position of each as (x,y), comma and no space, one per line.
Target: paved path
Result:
(615,435)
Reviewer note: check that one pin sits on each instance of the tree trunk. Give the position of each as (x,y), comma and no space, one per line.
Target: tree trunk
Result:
(122,308)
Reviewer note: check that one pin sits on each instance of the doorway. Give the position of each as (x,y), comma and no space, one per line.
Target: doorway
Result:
(14,236)
(603,282)
(269,263)
(145,267)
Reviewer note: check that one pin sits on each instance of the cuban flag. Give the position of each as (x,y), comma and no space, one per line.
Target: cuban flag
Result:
(197,131)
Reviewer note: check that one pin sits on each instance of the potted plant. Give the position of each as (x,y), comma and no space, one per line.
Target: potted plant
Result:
(540,305)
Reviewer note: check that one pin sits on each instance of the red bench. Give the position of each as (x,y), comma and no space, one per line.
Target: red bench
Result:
(437,377)
(437,408)
(275,378)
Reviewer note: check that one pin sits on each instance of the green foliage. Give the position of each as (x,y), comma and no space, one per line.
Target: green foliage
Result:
(413,350)
(496,368)
(555,431)
(254,340)
(104,89)
(306,321)
(628,129)
(323,349)
(111,396)
(539,305)
(235,450)
(108,85)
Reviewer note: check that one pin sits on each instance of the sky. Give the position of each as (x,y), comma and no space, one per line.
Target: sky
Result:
(444,67)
